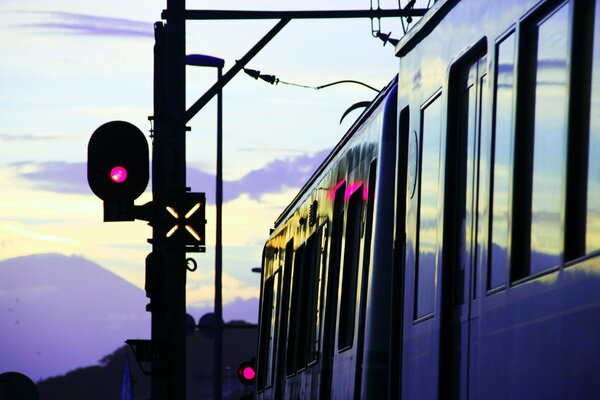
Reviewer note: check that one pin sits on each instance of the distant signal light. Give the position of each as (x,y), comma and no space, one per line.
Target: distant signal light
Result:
(247,372)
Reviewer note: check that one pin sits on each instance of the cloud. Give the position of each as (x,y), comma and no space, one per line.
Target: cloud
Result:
(7,137)
(85,24)
(57,176)
(274,177)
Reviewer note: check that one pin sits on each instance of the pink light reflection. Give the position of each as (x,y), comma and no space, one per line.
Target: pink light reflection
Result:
(335,188)
(353,187)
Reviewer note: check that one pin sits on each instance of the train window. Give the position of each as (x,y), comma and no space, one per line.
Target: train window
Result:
(296,307)
(429,200)
(337,228)
(350,270)
(317,280)
(369,197)
(544,55)
(592,239)
(268,329)
(304,317)
(331,285)
(502,162)
(274,325)
(549,141)
(280,368)
(310,298)
(483,184)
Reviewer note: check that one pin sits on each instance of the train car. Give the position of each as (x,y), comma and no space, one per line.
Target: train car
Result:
(448,248)
(319,251)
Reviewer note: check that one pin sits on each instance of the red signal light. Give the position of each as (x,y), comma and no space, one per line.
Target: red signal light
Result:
(247,372)
(118,174)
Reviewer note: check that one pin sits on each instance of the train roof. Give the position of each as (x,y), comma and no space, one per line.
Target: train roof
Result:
(424,26)
(359,121)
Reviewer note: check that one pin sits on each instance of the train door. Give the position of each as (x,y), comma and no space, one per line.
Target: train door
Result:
(420,319)
(395,377)
(460,272)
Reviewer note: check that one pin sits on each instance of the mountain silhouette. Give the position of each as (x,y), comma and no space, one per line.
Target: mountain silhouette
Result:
(59,313)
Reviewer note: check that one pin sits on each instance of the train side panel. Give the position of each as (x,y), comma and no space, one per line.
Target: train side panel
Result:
(501,276)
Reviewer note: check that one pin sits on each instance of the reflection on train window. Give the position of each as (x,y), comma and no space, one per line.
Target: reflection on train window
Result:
(304,316)
(481,242)
(268,329)
(539,180)
(336,241)
(549,141)
(284,322)
(330,291)
(350,269)
(274,325)
(429,197)
(502,162)
(314,263)
(295,308)
(304,301)
(592,239)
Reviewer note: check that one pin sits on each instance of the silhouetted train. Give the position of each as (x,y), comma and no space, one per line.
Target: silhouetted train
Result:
(448,247)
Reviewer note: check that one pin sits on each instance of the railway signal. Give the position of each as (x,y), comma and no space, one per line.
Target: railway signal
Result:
(247,372)
(118,167)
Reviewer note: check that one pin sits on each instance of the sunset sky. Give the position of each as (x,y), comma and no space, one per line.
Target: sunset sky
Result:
(69,66)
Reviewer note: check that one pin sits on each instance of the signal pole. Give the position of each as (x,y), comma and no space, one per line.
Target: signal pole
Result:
(168,184)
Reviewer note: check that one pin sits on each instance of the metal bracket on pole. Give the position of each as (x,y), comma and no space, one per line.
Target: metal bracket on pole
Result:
(284,17)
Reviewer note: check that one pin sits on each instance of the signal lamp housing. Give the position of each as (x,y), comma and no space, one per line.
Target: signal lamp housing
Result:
(118,168)
(118,162)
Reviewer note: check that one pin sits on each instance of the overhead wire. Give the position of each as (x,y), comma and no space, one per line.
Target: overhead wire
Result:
(272,79)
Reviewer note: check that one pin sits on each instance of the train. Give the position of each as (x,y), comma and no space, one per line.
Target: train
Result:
(449,245)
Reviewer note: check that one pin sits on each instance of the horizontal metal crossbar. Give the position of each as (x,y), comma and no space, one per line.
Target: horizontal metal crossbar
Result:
(320,14)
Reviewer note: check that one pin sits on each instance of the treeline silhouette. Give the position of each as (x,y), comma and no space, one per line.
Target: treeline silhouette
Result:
(101,382)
